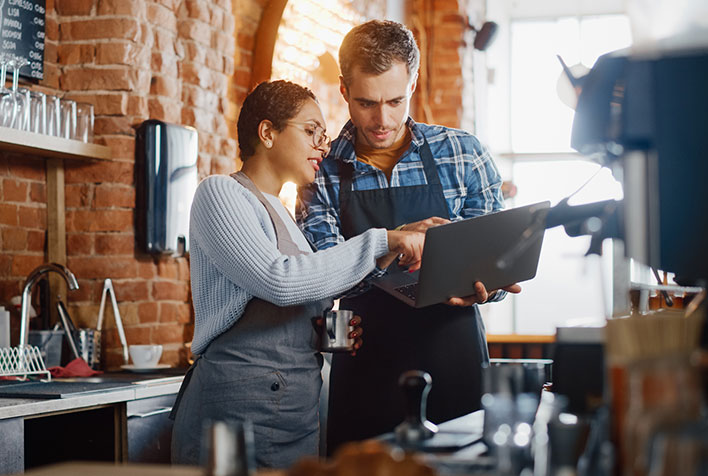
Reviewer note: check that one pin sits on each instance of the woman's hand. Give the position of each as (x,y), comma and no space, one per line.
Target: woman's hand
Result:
(355,334)
(407,245)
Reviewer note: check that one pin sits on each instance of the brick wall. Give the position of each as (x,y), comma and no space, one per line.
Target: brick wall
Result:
(172,60)
(182,61)
(441,31)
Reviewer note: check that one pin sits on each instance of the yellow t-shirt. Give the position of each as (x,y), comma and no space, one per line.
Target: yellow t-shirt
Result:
(383,159)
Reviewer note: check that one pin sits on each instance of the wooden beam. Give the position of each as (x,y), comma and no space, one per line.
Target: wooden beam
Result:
(56,231)
(266,35)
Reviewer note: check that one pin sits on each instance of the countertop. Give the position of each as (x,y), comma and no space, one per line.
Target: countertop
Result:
(138,386)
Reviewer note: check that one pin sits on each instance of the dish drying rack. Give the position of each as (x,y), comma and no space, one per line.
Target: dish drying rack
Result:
(22,361)
(25,360)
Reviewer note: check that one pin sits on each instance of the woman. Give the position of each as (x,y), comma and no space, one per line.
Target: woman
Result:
(257,287)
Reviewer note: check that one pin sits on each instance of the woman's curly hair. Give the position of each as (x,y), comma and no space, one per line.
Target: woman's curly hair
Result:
(275,101)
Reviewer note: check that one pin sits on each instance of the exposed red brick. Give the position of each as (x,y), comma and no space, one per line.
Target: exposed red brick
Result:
(138,106)
(161,16)
(133,8)
(14,190)
(139,335)
(122,147)
(228,67)
(123,53)
(73,7)
(147,269)
(112,79)
(165,86)
(20,167)
(164,109)
(51,29)
(23,264)
(51,76)
(101,28)
(214,60)
(79,244)
(182,268)
(36,240)
(227,24)
(32,217)
(222,165)
(167,269)
(165,63)
(170,290)
(111,171)
(38,192)
(14,239)
(114,124)
(168,334)
(115,244)
(197,10)
(195,30)
(99,220)
(76,53)
(148,312)
(101,267)
(8,214)
(111,195)
(5,265)
(164,41)
(77,195)
(171,4)
(131,290)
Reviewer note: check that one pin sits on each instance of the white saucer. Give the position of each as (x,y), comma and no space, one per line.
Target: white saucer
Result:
(133,368)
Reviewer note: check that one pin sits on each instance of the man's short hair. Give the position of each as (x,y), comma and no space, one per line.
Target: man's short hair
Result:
(375,46)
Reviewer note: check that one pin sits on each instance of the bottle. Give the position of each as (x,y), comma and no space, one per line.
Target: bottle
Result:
(4,327)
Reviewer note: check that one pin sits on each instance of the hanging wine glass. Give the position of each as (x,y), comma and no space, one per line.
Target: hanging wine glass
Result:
(7,97)
(22,97)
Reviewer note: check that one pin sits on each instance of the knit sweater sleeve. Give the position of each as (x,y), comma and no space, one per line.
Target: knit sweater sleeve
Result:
(235,232)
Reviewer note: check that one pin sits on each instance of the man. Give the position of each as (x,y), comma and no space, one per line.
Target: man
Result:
(385,170)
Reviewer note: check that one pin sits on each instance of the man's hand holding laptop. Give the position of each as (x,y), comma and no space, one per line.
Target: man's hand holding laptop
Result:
(481,295)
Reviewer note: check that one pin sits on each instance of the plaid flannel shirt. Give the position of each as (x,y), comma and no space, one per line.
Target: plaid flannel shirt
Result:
(470,180)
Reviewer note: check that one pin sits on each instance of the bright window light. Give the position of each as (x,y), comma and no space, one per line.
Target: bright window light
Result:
(540,122)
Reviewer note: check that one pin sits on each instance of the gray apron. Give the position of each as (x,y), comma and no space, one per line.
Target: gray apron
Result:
(265,369)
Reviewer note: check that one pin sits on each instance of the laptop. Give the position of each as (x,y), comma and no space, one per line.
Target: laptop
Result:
(498,249)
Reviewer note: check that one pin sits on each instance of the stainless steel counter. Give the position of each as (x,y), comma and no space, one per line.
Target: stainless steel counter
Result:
(140,388)
(106,424)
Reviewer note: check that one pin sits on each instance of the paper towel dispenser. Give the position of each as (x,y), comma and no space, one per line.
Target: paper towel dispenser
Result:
(166,168)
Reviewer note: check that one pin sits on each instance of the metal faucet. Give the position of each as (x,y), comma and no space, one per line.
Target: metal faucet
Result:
(32,279)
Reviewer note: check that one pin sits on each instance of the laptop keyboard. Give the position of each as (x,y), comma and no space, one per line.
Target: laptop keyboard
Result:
(409,290)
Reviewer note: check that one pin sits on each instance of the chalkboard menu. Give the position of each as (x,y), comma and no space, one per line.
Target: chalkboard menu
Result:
(22,34)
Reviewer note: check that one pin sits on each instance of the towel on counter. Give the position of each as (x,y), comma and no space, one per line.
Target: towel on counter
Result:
(76,368)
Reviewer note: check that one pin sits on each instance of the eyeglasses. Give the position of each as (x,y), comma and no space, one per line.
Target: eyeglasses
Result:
(319,137)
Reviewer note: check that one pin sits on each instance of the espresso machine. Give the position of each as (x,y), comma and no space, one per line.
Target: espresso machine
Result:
(645,115)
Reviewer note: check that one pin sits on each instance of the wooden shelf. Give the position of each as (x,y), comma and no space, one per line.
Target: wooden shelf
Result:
(50,147)
(520,339)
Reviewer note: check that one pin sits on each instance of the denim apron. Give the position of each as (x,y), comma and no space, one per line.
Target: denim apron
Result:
(265,368)
(447,342)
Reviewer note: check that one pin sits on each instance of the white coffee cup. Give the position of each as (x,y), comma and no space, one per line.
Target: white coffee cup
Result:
(145,356)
